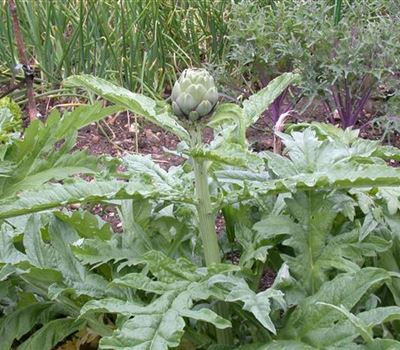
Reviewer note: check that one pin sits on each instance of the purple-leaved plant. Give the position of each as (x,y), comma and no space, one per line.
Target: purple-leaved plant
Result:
(344,61)
(255,52)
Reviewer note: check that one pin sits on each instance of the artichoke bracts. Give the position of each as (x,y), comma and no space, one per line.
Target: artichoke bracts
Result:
(194,95)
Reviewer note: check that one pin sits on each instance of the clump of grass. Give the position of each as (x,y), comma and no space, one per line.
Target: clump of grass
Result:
(138,43)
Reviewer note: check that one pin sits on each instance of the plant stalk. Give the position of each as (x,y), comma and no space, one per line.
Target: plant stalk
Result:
(208,233)
(30,94)
(337,16)
(206,215)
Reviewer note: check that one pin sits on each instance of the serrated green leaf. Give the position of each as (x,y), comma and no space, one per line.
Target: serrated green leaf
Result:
(226,113)
(144,165)
(96,251)
(6,271)
(36,158)
(136,103)
(238,176)
(281,166)
(86,224)
(135,237)
(83,116)
(336,178)
(143,282)
(391,196)
(259,102)
(229,123)
(362,329)
(325,131)
(147,332)
(283,345)
(383,344)
(258,304)
(76,277)
(19,323)
(344,332)
(8,253)
(315,215)
(230,154)
(160,324)
(51,334)
(55,195)
(346,289)
(40,254)
(275,226)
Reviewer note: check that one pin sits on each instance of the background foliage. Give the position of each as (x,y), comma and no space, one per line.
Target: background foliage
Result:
(344,57)
(139,44)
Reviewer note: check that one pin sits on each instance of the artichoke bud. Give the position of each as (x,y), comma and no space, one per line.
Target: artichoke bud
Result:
(194,94)
(193,116)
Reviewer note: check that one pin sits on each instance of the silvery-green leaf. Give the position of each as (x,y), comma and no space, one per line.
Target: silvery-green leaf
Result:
(259,102)
(136,103)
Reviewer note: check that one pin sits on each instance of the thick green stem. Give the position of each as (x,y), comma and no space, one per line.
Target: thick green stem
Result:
(206,215)
(208,233)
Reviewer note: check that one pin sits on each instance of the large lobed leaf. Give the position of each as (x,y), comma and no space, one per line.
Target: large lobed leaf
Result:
(52,333)
(259,304)
(20,322)
(136,103)
(259,102)
(317,162)
(311,317)
(160,324)
(44,153)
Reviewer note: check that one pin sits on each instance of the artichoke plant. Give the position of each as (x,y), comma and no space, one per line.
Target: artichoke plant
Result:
(194,94)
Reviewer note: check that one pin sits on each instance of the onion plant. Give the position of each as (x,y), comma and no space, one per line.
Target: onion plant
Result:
(138,44)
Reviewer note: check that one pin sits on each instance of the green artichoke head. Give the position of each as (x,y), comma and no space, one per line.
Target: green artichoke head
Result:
(194,94)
